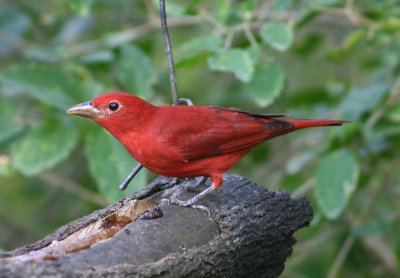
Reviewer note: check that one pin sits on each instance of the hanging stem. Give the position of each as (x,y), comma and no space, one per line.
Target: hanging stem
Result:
(168,50)
(172,78)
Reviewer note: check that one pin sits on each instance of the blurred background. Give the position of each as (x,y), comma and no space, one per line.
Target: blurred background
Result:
(310,59)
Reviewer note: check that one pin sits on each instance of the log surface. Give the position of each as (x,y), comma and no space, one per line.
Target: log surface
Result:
(249,234)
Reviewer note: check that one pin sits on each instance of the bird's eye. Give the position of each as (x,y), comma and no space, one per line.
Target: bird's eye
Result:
(113,106)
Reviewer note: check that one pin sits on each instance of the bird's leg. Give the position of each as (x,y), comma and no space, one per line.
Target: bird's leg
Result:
(216,181)
(191,201)
(131,175)
(181,189)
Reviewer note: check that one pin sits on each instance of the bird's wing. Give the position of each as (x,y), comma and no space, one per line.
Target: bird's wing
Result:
(254,115)
(201,132)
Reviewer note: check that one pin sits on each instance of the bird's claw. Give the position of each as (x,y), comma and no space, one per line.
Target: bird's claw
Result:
(186,101)
(186,203)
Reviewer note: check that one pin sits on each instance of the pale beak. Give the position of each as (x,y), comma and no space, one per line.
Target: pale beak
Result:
(85,109)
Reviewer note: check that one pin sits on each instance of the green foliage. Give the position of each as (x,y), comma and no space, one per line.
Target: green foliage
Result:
(81,6)
(277,34)
(237,61)
(138,77)
(51,85)
(44,146)
(310,59)
(13,24)
(266,84)
(211,43)
(337,177)
(109,164)
(8,124)
(361,100)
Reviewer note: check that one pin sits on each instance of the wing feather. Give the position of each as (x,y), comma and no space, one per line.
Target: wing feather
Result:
(218,130)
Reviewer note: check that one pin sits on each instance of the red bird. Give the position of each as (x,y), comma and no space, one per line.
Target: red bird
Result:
(186,141)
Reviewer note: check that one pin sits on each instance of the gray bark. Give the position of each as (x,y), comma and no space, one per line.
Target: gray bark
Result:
(249,233)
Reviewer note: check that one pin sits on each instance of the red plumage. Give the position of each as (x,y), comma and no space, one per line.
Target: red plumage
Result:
(187,141)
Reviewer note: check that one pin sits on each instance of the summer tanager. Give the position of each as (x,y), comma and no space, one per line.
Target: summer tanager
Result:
(186,141)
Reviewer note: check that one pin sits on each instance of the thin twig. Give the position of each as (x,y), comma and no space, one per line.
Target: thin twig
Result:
(229,39)
(168,50)
(350,240)
(341,256)
(304,188)
(126,36)
(73,188)
(250,36)
(172,78)
(354,17)
(311,245)
(391,100)
(381,249)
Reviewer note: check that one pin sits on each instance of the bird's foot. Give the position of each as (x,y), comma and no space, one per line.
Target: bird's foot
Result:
(186,101)
(186,203)
(190,202)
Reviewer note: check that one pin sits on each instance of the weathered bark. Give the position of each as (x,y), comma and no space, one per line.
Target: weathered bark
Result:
(249,233)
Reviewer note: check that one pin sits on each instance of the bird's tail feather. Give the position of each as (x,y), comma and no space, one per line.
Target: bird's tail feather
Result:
(298,124)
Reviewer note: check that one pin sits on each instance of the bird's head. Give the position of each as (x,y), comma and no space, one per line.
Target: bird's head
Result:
(113,110)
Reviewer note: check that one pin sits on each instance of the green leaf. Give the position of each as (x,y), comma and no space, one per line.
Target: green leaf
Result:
(192,61)
(282,5)
(363,100)
(98,57)
(47,54)
(325,2)
(171,8)
(174,9)
(44,146)
(337,177)
(223,10)
(210,43)
(135,71)
(237,61)
(255,53)
(391,24)
(52,85)
(394,114)
(81,6)
(353,39)
(8,124)
(374,227)
(266,84)
(350,42)
(109,164)
(13,24)
(277,34)
(297,162)
(247,8)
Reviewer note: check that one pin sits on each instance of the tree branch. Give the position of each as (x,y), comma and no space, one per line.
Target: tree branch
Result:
(249,233)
